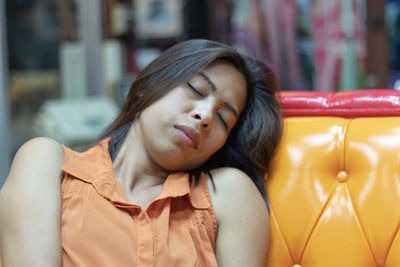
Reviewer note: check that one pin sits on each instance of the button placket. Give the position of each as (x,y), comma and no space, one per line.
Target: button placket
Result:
(145,240)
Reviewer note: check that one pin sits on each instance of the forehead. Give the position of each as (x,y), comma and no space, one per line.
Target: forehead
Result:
(229,83)
(222,71)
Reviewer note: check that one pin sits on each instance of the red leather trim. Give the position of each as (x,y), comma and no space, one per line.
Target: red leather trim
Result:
(349,104)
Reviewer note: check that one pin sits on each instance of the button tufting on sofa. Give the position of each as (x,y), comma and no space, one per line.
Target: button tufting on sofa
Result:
(342,176)
(319,216)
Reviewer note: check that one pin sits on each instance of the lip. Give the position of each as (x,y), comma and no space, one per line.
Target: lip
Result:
(190,133)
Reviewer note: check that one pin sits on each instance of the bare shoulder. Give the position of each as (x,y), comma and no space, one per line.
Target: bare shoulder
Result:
(242,217)
(40,145)
(32,193)
(235,192)
(232,177)
(37,157)
(40,151)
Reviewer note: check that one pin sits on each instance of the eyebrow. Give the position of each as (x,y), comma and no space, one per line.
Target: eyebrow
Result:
(214,88)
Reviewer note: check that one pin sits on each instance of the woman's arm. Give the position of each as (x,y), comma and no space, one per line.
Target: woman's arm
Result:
(30,206)
(242,217)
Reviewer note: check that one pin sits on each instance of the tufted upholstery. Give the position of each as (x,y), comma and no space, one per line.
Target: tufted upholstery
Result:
(334,183)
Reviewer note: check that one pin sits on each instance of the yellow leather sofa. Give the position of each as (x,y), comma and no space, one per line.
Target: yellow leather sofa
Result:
(334,183)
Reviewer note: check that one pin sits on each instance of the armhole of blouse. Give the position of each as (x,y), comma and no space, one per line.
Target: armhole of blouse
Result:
(211,208)
(65,188)
(64,184)
(69,185)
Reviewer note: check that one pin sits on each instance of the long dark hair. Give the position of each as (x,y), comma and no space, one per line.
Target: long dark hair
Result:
(254,138)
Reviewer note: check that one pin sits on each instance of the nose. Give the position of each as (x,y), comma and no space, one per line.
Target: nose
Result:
(205,124)
(204,114)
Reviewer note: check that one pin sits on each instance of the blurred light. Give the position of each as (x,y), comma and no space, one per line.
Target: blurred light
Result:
(396,85)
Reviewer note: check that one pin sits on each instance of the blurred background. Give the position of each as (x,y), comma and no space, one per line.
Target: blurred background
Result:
(66,66)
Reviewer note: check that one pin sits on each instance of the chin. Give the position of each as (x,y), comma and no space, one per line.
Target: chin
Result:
(181,167)
(180,162)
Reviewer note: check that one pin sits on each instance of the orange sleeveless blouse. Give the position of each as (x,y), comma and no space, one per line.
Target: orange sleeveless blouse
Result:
(100,227)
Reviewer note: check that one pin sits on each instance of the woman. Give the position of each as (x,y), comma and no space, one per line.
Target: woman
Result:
(201,116)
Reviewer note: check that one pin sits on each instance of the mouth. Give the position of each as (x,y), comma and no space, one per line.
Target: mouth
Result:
(188,135)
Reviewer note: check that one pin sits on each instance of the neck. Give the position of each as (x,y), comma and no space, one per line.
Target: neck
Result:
(133,167)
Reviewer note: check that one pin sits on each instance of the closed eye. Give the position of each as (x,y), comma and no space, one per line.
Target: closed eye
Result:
(222,120)
(197,92)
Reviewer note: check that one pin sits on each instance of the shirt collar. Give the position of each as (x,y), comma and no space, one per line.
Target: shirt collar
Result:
(177,185)
(95,166)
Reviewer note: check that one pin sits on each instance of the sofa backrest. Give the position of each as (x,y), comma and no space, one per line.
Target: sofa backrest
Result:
(334,183)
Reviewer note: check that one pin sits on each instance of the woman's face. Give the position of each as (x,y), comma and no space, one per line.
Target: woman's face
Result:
(184,128)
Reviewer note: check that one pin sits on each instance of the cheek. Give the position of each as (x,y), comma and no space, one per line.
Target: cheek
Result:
(215,142)
(176,102)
